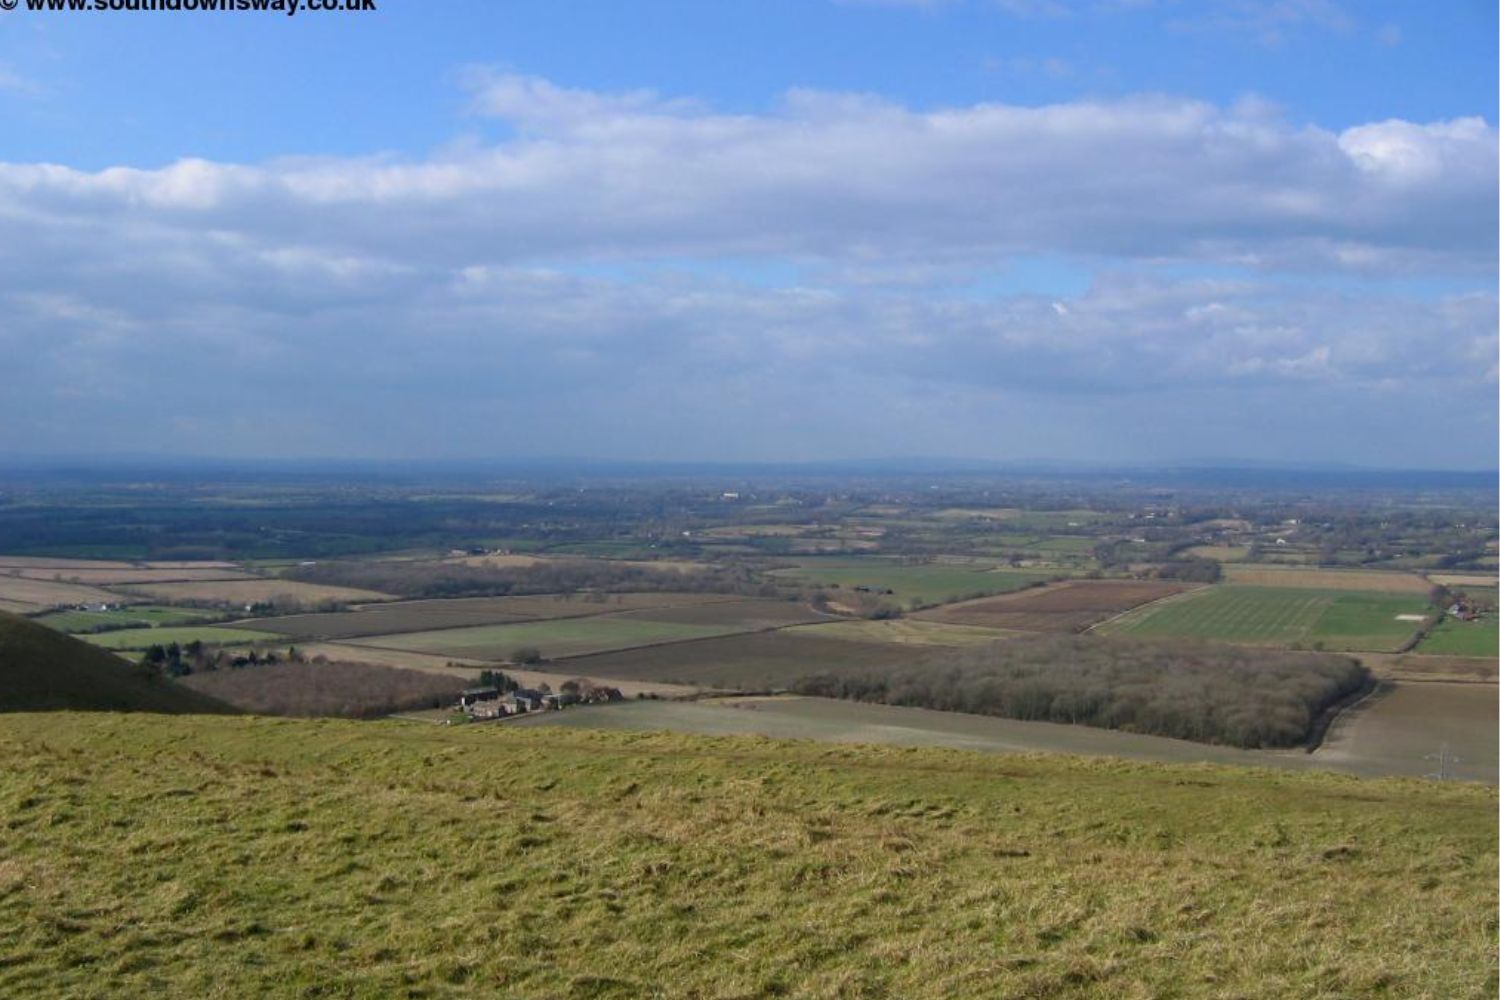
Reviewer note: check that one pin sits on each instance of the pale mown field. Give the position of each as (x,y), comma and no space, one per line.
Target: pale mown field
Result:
(25,595)
(1485,580)
(49,562)
(1327,579)
(106,577)
(471,668)
(253,592)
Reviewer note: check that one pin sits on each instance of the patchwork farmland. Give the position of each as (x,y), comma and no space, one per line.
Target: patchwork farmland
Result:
(209,635)
(1327,579)
(912,585)
(556,639)
(421,616)
(1282,616)
(26,596)
(1464,638)
(1070,606)
(749,661)
(904,631)
(146,614)
(252,592)
(559,638)
(109,577)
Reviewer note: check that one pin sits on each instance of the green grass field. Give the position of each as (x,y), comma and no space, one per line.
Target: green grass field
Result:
(1280,616)
(926,584)
(83,621)
(1456,638)
(190,857)
(143,638)
(555,639)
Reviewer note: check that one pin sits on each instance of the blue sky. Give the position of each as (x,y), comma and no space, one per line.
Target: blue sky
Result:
(787,229)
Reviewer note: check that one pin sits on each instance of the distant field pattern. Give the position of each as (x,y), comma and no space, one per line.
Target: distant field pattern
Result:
(84,621)
(1276,616)
(1456,638)
(923,584)
(424,616)
(554,639)
(1064,607)
(253,592)
(1327,579)
(144,638)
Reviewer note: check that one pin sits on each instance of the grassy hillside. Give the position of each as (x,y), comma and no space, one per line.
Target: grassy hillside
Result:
(44,670)
(149,857)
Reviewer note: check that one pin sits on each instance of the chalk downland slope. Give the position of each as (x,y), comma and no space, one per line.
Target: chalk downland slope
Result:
(249,857)
(43,670)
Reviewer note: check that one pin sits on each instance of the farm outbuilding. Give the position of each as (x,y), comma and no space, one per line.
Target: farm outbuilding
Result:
(473,696)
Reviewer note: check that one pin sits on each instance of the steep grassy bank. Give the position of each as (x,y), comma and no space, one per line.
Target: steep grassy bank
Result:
(43,670)
(154,856)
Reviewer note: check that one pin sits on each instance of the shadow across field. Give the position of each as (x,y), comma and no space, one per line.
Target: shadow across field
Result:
(1362,745)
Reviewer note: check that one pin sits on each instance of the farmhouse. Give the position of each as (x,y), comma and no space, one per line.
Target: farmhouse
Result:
(491,701)
(488,710)
(474,696)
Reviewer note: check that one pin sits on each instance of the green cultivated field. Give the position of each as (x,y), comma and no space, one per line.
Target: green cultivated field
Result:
(926,584)
(83,621)
(143,638)
(1456,638)
(149,857)
(1280,616)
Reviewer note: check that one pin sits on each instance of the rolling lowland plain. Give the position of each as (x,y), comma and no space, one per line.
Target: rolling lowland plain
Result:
(714,835)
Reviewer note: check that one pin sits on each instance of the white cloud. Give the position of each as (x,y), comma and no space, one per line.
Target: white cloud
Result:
(631,247)
(836,176)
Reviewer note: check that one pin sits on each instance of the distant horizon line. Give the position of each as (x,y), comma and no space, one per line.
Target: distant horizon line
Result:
(916,464)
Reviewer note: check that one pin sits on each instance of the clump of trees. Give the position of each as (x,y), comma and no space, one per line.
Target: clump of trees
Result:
(327,688)
(1187,690)
(501,682)
(185,659)
(1190,570)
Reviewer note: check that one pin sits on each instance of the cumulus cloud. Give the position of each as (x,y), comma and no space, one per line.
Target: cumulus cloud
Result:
(782,268)
(835,175)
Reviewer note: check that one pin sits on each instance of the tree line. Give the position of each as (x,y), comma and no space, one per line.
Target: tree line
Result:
(1187,690)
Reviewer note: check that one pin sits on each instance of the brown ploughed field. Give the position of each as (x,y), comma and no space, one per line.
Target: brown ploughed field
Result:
(1071,606)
